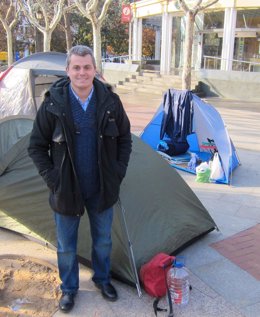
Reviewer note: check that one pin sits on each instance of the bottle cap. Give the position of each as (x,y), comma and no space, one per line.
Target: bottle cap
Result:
(179,261)
(178,264)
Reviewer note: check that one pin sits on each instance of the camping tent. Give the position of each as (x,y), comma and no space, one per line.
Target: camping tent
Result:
(162,214)
(206,131)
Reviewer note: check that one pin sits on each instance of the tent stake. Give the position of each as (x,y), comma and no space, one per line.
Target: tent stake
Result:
(130,249)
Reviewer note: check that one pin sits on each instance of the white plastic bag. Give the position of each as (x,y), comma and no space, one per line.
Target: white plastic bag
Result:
(217,172)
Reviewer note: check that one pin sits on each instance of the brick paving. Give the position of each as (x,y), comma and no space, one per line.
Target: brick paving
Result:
(243,250)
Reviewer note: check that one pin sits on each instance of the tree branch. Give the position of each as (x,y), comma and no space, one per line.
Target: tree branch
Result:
(9,10)
(91,6)
(184,6)
(104,11)
(30,9)
(30,15)
(45,15)
(58,14)
(203,7)
(70,7)
(197,7)
(197,4)
(82,10)
(3,21)
(14,21)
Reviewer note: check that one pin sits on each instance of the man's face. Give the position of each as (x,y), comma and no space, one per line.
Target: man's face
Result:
(81,72)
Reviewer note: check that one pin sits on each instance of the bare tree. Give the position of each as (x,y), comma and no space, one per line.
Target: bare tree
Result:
(44,15)
(190,13)
(95,11)
(66,17)
(69,6)
(9,14)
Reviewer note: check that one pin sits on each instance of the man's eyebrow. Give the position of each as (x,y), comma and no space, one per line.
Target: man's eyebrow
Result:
(76,65)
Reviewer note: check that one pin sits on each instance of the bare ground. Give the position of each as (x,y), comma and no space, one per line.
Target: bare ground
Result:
(28,287)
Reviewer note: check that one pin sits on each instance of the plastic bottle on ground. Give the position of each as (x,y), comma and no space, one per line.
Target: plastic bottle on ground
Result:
(178,283)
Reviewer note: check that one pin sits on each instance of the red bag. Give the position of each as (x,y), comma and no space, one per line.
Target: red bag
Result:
(152,274)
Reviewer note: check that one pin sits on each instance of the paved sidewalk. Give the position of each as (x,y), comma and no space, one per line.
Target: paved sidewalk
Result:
(235,208)
(221,288)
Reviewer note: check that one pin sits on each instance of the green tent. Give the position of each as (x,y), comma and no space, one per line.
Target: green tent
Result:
(158,212)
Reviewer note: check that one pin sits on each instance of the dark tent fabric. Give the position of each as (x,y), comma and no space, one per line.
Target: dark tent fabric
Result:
(162,213)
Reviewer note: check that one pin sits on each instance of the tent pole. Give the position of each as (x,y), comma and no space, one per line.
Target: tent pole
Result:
(130,249)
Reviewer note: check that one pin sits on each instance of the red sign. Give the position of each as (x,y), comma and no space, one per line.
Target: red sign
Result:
(126,13)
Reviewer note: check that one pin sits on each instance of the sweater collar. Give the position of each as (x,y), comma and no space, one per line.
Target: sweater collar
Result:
(84,104)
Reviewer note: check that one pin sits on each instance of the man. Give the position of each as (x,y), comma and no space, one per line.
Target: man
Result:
(81,144)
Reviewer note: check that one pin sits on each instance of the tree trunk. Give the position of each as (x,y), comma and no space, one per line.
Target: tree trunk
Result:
(97,45)
(9,46)
(38,40)
(186,74)
(47,41)
(66,16)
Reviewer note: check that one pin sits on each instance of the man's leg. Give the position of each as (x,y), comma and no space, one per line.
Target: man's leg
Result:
(100,226)
(67,235)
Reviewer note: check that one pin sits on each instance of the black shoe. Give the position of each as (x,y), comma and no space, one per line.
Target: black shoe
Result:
(108,291)
(66,302)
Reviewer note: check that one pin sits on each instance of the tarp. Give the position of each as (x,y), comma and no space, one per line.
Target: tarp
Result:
(162,213)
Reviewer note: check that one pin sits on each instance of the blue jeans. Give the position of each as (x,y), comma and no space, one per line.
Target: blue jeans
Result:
(67,237)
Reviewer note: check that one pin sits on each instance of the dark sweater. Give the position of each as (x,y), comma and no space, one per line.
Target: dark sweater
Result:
(86,157)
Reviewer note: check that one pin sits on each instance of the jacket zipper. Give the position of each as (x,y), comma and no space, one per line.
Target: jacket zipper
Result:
(70,155)
(100,136)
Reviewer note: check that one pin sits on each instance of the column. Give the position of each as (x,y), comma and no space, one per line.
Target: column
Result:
(140,39)
(165,67)
(137,39)
(157,44)
(183,31)
(198,41)
(228,38)
(130,42)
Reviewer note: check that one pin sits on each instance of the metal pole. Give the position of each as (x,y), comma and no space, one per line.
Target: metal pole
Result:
(131,253)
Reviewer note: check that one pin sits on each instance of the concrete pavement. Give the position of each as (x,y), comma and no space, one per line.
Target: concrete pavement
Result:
(220,287)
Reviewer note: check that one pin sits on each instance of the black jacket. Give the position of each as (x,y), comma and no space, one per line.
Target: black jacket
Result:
(51,147)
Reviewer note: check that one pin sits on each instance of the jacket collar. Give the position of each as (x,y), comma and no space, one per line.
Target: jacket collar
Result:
(58,96)
(59,91)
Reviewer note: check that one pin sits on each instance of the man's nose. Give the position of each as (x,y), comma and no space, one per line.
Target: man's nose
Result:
(82,71)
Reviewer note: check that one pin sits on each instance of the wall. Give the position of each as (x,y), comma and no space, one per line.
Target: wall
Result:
(115,72)
(232,85)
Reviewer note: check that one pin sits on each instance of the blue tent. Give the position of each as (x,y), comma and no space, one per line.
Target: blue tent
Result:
(206,132)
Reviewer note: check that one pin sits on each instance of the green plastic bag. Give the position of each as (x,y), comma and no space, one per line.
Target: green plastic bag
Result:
(203,173)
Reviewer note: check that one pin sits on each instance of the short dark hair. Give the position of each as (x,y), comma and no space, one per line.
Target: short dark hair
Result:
(80,50)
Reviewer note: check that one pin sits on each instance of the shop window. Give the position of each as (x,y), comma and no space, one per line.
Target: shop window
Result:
(248,19)
(248,37)
(212,44)
(214,20)
(151,38)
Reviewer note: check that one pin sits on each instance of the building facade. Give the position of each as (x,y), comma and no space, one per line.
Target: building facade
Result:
(226,35)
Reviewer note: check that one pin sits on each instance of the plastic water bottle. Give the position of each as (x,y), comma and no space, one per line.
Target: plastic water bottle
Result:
(178,283)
